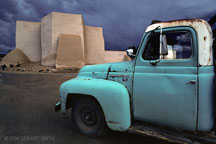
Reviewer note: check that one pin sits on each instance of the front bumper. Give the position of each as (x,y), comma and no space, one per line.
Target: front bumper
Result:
(57,106)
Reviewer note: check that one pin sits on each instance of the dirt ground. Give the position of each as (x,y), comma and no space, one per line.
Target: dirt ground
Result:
(27,113)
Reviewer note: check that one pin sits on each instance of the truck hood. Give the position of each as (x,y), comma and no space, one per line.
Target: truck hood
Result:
(102,70)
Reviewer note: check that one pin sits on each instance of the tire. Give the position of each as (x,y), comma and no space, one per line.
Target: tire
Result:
(88,118)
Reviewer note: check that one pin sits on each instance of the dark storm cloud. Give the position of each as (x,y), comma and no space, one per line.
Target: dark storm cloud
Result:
(123,21)
(5,13)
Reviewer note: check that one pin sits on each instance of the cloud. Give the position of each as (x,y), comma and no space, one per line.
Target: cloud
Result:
(123,21)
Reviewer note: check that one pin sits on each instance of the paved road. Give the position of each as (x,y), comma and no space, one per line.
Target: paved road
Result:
(27,113)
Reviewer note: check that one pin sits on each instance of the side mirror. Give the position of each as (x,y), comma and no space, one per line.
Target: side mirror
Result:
(163,45)
(130,52)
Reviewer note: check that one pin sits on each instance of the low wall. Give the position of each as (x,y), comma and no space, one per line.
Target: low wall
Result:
(115,56)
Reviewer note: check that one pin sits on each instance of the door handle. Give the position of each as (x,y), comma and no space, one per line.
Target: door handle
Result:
(191,82)
(154,62)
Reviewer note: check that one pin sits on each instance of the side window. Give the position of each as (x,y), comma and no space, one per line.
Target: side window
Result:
(179,46)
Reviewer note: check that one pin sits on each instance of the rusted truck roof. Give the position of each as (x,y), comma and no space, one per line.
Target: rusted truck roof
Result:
(204,34)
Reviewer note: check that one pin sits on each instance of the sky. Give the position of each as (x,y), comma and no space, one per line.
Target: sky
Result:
(123,21)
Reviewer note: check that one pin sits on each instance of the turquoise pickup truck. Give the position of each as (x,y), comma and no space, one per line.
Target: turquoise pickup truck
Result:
(165,91)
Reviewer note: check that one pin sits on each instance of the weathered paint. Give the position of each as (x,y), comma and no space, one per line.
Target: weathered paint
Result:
(112,96)
(153,27)
(206,98)
(175,93)
(96,71)
(204,34)
(161,94)
(90,82)
(123,73)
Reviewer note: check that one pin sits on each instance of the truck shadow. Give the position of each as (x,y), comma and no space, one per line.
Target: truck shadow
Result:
(111,137)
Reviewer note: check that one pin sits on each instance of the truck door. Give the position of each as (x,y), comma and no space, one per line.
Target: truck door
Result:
(165,87)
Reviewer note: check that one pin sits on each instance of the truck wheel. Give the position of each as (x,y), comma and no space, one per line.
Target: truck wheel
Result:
(88,118)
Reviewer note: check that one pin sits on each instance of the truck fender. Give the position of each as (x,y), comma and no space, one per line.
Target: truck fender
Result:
(112,96)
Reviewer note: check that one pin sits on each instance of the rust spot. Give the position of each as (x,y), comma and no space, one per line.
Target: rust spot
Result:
(183,20)
(205,37)
(124,79)
(189,22)
(119,75)
(109,69)
(210,51)
(209,59)
(87,79)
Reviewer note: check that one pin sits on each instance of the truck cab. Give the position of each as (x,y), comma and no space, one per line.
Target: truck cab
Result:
(169,83)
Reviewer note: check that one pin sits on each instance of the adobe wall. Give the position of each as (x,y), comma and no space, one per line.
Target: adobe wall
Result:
(28,39)
(79,44)
(70,52)
(115,56)
(94,45)
(52,26)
